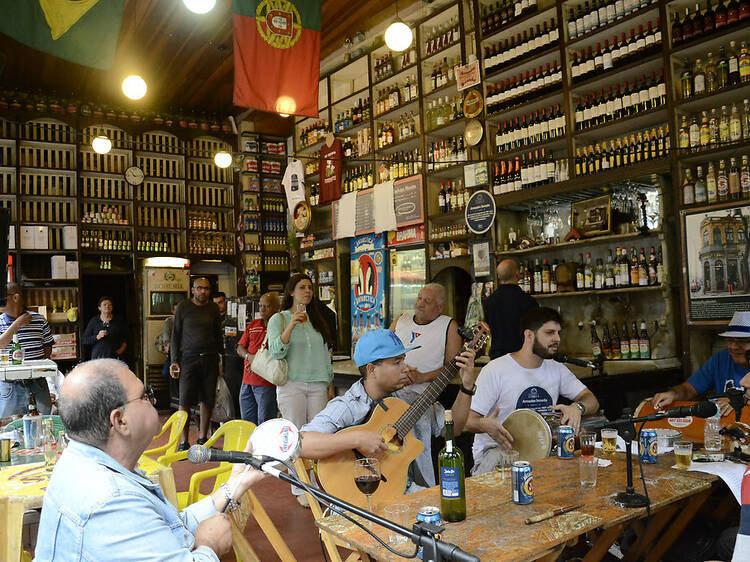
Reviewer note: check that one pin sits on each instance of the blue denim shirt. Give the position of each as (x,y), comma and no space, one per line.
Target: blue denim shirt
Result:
(95,509)
(354,407)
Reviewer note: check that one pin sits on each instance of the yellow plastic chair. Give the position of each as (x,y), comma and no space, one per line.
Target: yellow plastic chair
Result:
(235,434)
(11,523)
(175,425)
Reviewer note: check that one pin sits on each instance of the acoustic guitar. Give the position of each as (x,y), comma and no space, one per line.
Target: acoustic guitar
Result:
(393,419)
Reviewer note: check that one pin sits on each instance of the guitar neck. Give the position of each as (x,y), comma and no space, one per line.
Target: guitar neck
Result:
(406,422)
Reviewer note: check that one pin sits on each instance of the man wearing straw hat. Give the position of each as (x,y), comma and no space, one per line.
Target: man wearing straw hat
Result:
(722,369)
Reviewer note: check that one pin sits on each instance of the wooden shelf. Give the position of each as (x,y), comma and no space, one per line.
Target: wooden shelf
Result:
(587,242)
(648,288)
(578,41)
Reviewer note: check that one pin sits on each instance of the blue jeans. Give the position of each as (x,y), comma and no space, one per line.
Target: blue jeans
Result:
(258,403)
(14,396)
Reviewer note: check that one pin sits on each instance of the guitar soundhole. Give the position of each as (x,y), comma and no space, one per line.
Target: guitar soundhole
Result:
(391,438)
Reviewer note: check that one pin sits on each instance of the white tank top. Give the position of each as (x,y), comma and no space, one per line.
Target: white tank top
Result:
(432,337)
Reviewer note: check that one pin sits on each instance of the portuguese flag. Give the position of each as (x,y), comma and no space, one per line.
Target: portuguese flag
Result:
(80,31)
(277,55)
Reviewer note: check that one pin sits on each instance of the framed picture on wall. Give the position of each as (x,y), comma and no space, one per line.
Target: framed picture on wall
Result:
(592,217)
(716,258)
(481,257)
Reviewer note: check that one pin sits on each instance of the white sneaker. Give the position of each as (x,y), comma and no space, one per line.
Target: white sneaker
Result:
(302,500)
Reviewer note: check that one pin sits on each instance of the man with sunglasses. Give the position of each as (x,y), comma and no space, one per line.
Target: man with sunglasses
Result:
(724,368)
(98,506)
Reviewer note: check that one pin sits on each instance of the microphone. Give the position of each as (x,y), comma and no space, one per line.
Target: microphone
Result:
(561,358)
(697,410)
(198,454)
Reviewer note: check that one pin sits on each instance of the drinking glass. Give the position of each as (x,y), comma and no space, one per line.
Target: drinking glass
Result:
(609,441)
(303,309)
(683,454)
(5,357)
(588,439)
(587,468)
(367,477)
(397,513)
(505,463)
(711,436)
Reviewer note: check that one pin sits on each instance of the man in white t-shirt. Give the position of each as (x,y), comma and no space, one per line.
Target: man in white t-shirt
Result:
(527,378)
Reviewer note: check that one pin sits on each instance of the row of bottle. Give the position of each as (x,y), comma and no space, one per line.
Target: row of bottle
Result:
(116,240)
(587,17)
(313,133)
(530,129)
(589,63)
(102,214)
(105,262)
(275,263)
(720,128)
(517,91)
(440,36)
(715,74)
(312,164)
(364,321)
(274,242)
(314,196)
(497,55)
(392,132)
(253,246)
(448,231)
(721,182)
(525,172)
(709,21)
(397,94)
(158,242)
(632,98)
(444,73)
(352,117)
(204,220)
(386,65)
(403,164)
(636,345)
(357,178)
(211,244)
(502,13)
(440,112)
(626,150)
(251,204)
(273,205)
(450,198)
(445,153)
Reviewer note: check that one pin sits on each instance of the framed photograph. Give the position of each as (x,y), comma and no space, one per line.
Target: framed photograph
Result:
(716,254)
(481,257)
(592,217)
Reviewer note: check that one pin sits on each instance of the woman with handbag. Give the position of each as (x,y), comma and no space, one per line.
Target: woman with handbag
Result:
(301,335)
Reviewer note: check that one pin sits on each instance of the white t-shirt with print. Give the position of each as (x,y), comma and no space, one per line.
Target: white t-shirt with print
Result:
(505,384)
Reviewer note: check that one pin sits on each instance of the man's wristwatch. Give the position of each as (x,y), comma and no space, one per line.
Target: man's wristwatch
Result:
(580,406)
(467,391)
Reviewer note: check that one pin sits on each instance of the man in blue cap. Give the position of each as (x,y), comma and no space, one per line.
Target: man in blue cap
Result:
(379,355)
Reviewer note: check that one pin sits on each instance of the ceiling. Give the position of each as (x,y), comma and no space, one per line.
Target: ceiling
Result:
(186,59)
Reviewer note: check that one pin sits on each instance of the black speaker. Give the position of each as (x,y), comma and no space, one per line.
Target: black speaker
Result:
(4,233)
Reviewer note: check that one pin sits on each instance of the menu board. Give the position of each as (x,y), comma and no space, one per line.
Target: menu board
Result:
(407,200)
(365,221)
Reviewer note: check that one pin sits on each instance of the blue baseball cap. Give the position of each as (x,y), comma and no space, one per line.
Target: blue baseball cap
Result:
(378,344)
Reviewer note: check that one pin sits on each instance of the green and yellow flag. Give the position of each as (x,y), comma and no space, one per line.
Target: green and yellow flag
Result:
(277,55)
(80,31)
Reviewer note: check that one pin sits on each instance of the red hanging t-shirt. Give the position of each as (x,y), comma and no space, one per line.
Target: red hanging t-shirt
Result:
(330,172)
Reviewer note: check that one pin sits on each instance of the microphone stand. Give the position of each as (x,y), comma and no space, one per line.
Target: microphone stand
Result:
(626,428)
(422,533)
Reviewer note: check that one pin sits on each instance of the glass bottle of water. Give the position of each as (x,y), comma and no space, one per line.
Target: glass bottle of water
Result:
(711,436)
(49,446)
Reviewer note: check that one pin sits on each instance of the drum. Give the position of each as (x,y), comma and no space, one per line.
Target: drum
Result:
(276,438)
(533,434)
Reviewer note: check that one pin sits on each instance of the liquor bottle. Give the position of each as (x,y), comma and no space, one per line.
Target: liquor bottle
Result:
(615,343)
(599,275)
(745,178)
(32,408)
(624,342)
(700,186)
(606,343)
(580,275)
(16,351)
(734,179)
(546,275)
(596,344)
(452,485)
(722,182)
(609,272)
(634,269)
(688,189)
(588,280)
(644,344)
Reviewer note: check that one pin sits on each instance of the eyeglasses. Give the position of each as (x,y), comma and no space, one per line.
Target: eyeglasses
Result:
(148,394)
(738,341)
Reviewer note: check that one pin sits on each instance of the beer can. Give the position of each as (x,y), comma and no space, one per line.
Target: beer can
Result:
(648,444)
(429,514)
(523,482)
(566,442)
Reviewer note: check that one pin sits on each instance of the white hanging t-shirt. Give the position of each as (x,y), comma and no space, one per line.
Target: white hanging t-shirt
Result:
(294,183)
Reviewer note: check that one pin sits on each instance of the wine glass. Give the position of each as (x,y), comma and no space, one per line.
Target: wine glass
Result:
(367,477)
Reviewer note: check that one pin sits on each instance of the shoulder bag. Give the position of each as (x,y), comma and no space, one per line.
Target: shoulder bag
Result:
(275,371)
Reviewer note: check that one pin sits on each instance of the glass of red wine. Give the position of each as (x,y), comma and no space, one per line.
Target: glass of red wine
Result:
(367,477)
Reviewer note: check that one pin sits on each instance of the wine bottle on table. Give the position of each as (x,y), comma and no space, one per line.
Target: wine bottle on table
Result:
(452,487)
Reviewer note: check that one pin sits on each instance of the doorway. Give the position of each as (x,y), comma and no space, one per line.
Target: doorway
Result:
(121,288)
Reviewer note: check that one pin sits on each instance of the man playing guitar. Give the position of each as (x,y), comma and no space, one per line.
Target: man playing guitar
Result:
(379,355)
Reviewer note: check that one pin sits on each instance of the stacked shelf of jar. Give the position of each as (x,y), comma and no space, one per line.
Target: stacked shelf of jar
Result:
(725,180)
(527,86)
(396,95)
(588,17)
(448,231)
(495,17)
(710,75)
(530,129)
(714,20)
(522,45)
(617,347)
(313,133)
(445,153)
(649,144)
(102,214)
(211,244)
(352,117)
(722,127)
(106,240)
(633,97)
(357,178)
(439,113)
(393,132)
(590,63)
(401,164)
(525,172)
(452,198)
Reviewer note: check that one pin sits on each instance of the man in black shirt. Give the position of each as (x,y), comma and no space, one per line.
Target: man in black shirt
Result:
(196,345)
(504,308)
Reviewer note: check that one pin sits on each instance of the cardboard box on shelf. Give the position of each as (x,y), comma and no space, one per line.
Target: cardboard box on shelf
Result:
(63,352)
(64,339)
(70,237)
(58,267)
(71,269)
(27,237)
(41,237)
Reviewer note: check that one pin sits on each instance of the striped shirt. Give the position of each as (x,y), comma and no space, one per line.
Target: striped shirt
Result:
(33,337)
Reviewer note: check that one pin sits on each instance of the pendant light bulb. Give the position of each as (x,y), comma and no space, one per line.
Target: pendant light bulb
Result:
(223,159)
(398,36)
(101,144)
(199,6)
(134,87)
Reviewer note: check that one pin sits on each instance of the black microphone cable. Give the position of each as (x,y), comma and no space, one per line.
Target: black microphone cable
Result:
(645,489)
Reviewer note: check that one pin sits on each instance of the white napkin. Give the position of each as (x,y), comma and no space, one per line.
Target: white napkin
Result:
(603,462)
(347,215)
(731,473)
(385,211)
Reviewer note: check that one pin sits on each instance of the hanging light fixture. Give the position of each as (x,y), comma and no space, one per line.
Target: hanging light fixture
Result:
(101,144)
(199,6)
(398,36)
(223,159)
(134,87)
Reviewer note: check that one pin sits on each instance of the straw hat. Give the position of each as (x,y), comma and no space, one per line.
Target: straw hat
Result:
(739,327)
